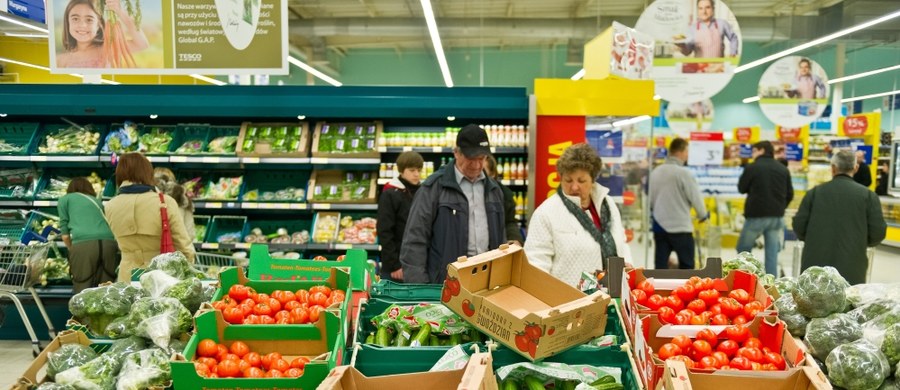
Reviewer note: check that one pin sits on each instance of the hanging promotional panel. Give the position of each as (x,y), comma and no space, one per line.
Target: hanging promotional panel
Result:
(685,117)
(698,45)
(168,37)
(793,91)
(620,51)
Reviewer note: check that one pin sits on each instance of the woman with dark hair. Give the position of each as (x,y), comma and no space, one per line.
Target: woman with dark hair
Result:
(92,247)
(134,216)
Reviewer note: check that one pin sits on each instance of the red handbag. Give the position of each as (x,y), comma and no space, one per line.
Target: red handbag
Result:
(166,244)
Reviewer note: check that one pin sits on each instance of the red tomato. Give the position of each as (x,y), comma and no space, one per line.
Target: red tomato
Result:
(233,315)
(314,313)
(756,366)
(254,372)
(221,351)
(693,281)
(674,302)
(776,360)
(699,349)
(731,307)
(253,359)
(318,298)
(668,350)
(207,348)
(239,348)
(228,369)
(299,362)
(290,305)
(720,357)
(769,367)
(208,362)
(702,319)
(720,319)
(753,342)
(754,354)
(268,358)
(715,309)
(202,369)
(262,309)
(709,336)
(283,315)
(738,333)
(683,319)
(697,306)
(293,373)
(243,366)
(728,347)
(687,361)
(666,314)
(752,308)
(299,316)
(709,362)
(230,356)
(739,320)
(251,319)
(682,342)
(704,284)
(246,309)
(238,292)
(687,292)
(322,289)
(274,374)
(647,287)
(639,297)
(710,296)
(277,294)
(280,365)
(741,363)
(274,304)
(266,320)
(301,295)
(655,301)
(740,295)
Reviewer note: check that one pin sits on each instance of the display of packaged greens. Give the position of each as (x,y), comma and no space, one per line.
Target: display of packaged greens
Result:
(155,141)
(273,139)
(223,145)
(439,317)
(194,146)
(580,376)
(122,139)
(225,188)
(71,140)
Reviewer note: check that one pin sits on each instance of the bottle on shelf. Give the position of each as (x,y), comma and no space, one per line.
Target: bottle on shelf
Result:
(520,170)
(382,170)
(507,170)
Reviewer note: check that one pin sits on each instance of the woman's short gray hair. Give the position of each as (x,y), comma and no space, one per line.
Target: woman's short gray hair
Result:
(580,156)
(844,161)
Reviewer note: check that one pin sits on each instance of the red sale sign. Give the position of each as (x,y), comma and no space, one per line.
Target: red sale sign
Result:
(789,135)
(856,125)
(743,134)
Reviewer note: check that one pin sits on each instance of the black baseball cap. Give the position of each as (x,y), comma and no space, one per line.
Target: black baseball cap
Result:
(472,140)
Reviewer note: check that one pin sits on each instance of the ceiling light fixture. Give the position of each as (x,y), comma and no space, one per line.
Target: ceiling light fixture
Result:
(208,79)
(751,99)
(656,97)
(23,24)
(301,117)
(874,95)
(2,115)
(315,72)
(818,41)
(154,116)
(451,118)
(863,74)
(12,61)
(21,35)
(631,121)
(436,41)
(579,75)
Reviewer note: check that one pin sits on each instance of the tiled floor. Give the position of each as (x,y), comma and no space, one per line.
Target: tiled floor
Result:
(16,354)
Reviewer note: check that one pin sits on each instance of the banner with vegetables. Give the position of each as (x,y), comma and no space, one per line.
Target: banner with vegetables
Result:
(168,36)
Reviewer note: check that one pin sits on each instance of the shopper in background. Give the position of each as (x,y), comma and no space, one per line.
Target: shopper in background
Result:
(134,216)
(165,182)
(513,232)
(579,228)
(673,191)
(458,211)
(93,254)
(838,220)
(881,188)
(393,211)
(863,175)
(767,184)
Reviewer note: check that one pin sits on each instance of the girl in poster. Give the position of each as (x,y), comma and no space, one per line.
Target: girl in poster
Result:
(84,32)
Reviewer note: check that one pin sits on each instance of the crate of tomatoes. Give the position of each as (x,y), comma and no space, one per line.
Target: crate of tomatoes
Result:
(221,355)
(763,345)
(734,299)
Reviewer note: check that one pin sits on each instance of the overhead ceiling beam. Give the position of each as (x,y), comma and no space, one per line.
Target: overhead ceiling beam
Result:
(370,9)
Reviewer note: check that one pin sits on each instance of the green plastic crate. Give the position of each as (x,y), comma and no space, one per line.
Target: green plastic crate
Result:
(171,130)
(263,266)
(223,224)
(19,135)
(49,174)
(222,131)
(51,129)
(406,292)
(19,183)
(274,181)
(12,224)
(375,307)
(187,132)
(206,222)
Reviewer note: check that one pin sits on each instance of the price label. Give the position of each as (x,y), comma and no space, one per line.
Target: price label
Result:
(210,245)
(382,149)
(250,160)
(298,206)
(247,205)
(38,158)
(283,206)
(855,126)
(318,160)
(437,149)
(210,160)
(214,205)
(706,149)
(343,246)
(322,206)
(267,206)
(177,159)
(407,148)
(42,203)
(242,245)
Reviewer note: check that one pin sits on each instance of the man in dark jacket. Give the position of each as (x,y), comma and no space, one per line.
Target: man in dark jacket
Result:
(767,184)
(458,211)
(863,175)
(513,233)
(838,220)
(393,210)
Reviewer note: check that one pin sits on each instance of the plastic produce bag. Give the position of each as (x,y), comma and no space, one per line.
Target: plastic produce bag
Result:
(890,345)
(857,366)
(744,261)
(128,345)
(54,386)
(97,307)
(890,384)
(97,374)
(787,312)
(875,330)
(189,292)
(68,356)
(157,282)
(785,285)
(825,334)
(174,264)
(145,369)
(441,319)
(820,292)
(157,319)
(862,294)
(869,311)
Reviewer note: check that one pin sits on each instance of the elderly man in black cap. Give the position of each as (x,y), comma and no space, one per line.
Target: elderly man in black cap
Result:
(458,211)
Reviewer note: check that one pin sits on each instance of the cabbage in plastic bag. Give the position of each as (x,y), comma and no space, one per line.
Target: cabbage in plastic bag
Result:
(862,294)
(890,384)
(787,312)
(785,285)
(145,369)
(54,386)
(157,282)
(128,345)
(820,292)
(869,311)
(68,356)
(97,374)
(890,345)
(875,330)
(825,334)
(97,307)
(744,261)
(158,319)
(857,366)
(189,292)
(174,264)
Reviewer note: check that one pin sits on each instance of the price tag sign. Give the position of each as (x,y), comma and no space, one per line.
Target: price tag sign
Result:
(382,149)
(298,206)
(242,245)
(247,205)
(343,246)
(38,158)
(407,148)
(177,159)
(210,160)
(42,203)
(318,160)
(706,149)
(213,205)
(322,206)
(250,160)
(856,125)
(209,245)
(437,149)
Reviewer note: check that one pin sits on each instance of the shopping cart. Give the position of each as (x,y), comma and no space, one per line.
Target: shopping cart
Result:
(212,263)
(798,254)
(21,267)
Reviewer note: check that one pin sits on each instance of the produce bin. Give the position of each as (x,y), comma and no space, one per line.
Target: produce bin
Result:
(202,224)
(259,139)
(159,129)
(69,173)
(53,129)
(406,292)
(19,183)
(613,278)
(678,377)
(226,224)
(12,224)
(189,132)
(264,267)
(270,228)
(205,179)
(329,186)
(216,132)
(374,307)
(343,146)
(275,187)
(19,136)
(357,228)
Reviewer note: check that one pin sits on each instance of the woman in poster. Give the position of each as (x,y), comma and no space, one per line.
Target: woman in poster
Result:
(709,34)
(807,85)
(91,42)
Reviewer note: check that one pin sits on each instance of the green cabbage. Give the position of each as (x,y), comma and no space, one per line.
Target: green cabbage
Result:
(857,366)
(820,292)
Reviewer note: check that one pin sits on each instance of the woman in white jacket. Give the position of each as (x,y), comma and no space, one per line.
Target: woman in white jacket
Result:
(579,227)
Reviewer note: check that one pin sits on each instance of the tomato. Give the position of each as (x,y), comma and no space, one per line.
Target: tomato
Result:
(687,292)
(720,319)
(274,374)
(299,362)
(709,336)
(720,357)
(262,309)
(716,309)
(699,349)
(668,350)
(731,307)
(207,348)
(318,298)
(228,369)
(238,292)
(322,289)
(704,284)
(233,315)
(243,366)
(253,358)
(728,347)
(293,373)
(269,358)
(647,287)
(693,281)
(666,314)
(209,362)
(741,363)
(239,348)
(230,356)
(754,354)
(202,369)
(266,320)
(639,297)
(682,342)
(683,319)
(686,360)
(251,319)
(752,308)
(709,362)
(314,313)
(738,333)
(739,320)
(291,305)
(776,360)
(674,302)
(701,319)
(697,306)
(756,366)
(753,342)
(710,296)
(338,296)
(246,309)
(262,297)
(769,367)
(280,365)
(283,315)
(740,295)
(299,316)
(254,372)
(302,296)
(274,304)
(655,301)
(221,351)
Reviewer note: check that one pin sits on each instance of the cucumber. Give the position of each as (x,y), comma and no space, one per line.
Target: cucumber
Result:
(455,339)
(434,341)
(422,336)
(609,386)
(403,336)
(509,384)
(604,380)
(382,337)
(445,341)
(370,339)
(568,385)
(476,335)
(533,383)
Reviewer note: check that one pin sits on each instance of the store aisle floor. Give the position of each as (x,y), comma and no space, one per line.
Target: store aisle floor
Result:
(16,359)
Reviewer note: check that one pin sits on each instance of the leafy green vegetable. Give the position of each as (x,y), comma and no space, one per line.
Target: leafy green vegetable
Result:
(72,140)
(824,334)
(121,140)
(870,310)
(99,373)
(857,365)
(157,319)
(890,346)
(145,369)
(128,345)
(223,145)
(189,292)
(97,307)
(193,146)
(175,264)
(156,141)
(820,292)
(68,356)
(862,294)
(785,285)
(787,312)
(744,261)
(54,386)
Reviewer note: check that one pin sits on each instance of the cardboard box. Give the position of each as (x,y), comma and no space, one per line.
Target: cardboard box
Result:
(327,178)
(678,377)
(264,267)
(510,300)
(613,278)
(652,334)
(735,280)
(477,375)
(322,342)
(264,149)
(351,126)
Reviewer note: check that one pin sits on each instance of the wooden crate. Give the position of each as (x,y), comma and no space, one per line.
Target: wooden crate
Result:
(263,149)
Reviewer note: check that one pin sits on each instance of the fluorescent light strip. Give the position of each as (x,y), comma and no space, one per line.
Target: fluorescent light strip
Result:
(436,41)
(208,80)
(863,74)
(579,75)
(751,99)
(315,72)
(815,42)
(23,24)
(11,61)
(631,121)
(19,35)
(874,95)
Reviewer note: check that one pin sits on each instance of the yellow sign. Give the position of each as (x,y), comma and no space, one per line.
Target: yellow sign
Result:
(564,97)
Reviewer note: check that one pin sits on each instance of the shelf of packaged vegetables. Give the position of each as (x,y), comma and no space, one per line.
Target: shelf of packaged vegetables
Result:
(440,149)
(232,205)
(382,181)
(287,247)
(202,160)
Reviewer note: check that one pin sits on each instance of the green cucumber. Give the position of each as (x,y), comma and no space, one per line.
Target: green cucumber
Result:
(509,384)
(421,337)
(533,383)
(476,335)
(370,339)
(403,336)
(609,386)
(455,339)
(382,337)
(568,385)
(434,341)
(604,380)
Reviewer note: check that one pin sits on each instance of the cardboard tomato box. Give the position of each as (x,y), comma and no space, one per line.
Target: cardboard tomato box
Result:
(678,377)
(735,280)
(521,306)
(650,335)
(264,267)
(477,374)
(322,342)
(614,275)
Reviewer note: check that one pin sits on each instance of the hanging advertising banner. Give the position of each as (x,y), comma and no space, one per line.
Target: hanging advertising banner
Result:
(686,117)
(621,52)
(746,135)
(28,9)
(607,143)
(706,149)
(165,37)
(793,91)
(793,151)
(698,45)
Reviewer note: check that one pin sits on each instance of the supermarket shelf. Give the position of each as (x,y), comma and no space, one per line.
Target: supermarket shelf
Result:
(442,149)
(286,247)
(274,160)
(227,204)
(382,181)
(41,158)
(203,159)
(350,161)
(15,203)
(45,203)
(153,159)
(274,206)
(235,205)
(368,247)
(342,206)
(15,158)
